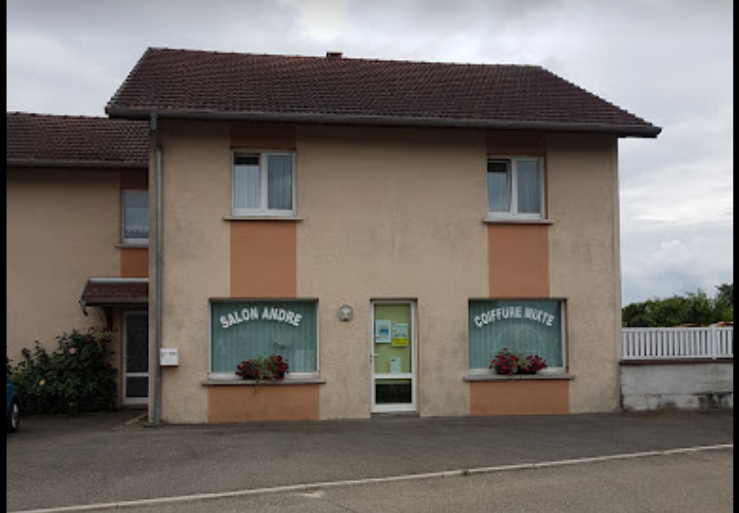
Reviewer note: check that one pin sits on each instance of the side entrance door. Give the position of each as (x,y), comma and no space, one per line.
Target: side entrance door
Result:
(393,357)
(135,358)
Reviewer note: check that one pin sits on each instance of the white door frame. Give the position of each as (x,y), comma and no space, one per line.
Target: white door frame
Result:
(124,372)
(402,407)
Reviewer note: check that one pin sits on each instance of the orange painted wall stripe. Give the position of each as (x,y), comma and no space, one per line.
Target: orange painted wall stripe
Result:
(518,254)
(264,259)
(134,262)
(518,257)
(263,255)
(520,397)
(265,402)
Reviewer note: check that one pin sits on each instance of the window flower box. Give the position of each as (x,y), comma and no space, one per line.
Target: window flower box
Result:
(263,368)
(507,362)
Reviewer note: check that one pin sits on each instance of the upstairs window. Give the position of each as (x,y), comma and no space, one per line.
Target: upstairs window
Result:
(135,217)
(263,184)
(515,188)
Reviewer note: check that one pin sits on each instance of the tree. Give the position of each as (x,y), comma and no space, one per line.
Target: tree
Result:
(693,308)
(726,294)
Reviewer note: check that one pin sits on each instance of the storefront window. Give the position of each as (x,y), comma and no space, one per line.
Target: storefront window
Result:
(241,330)
(522,326)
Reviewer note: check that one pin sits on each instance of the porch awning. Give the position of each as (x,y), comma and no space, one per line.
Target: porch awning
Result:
(107,292)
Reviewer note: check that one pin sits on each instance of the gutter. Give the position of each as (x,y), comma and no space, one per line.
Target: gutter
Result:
(74,163)
(156,416)
(646,130)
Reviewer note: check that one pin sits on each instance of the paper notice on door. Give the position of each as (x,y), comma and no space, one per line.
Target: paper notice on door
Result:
(395,365)
(400,335)
(382,331)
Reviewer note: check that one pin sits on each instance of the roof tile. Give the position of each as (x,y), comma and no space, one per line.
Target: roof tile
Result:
(187,82)
(111,292)
(47,140)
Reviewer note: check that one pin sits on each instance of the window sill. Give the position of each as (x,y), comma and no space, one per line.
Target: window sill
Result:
(134,245)
(508,220)
(262,218)
(519,377)
(251,383)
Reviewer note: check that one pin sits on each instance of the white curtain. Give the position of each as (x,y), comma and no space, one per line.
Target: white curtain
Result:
(527,172)
(136,215)
(280,182)
(246,182)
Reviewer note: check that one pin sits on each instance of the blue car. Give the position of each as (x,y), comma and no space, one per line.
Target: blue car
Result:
(12,407)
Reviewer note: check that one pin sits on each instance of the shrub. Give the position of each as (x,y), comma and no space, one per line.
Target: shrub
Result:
(76,378)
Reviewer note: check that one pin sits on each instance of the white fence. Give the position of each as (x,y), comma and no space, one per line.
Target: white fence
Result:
(678,343)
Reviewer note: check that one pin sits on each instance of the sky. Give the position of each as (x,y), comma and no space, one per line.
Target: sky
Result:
(667,61)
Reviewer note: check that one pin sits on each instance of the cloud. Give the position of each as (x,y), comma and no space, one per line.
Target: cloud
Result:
(667,259)
(668,61)
(321,19)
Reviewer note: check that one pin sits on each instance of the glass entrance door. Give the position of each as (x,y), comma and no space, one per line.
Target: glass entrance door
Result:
(135,358)
(393,357)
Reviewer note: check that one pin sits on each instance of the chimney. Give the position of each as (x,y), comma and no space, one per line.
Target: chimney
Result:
(333,55)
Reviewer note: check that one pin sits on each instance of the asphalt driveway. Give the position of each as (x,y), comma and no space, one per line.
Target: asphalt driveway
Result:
(60,461)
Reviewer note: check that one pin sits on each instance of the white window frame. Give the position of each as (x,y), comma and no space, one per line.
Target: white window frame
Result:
(512,177)
(262,211)
(231,376)
(548,370)
(128,240)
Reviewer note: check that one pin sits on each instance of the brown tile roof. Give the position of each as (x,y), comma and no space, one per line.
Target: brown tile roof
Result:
(43,140)
(190,83)
(115,291)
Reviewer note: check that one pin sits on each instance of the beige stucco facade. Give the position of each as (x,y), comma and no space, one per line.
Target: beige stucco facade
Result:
(392,213)
(62,228)
(585,262)
(196,197)
(384,213)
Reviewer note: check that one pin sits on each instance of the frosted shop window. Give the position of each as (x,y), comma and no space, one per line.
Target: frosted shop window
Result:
(527,326)
(242,330)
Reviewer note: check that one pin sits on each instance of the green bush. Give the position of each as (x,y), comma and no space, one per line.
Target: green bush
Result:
(693,308)
(76,378)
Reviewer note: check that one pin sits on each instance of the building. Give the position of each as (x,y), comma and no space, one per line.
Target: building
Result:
(386,226)
(76,190)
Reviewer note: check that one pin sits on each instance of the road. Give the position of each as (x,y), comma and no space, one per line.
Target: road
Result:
(694,482)
(64,462)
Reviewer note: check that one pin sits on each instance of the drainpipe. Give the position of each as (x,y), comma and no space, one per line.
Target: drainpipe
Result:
(157,413)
